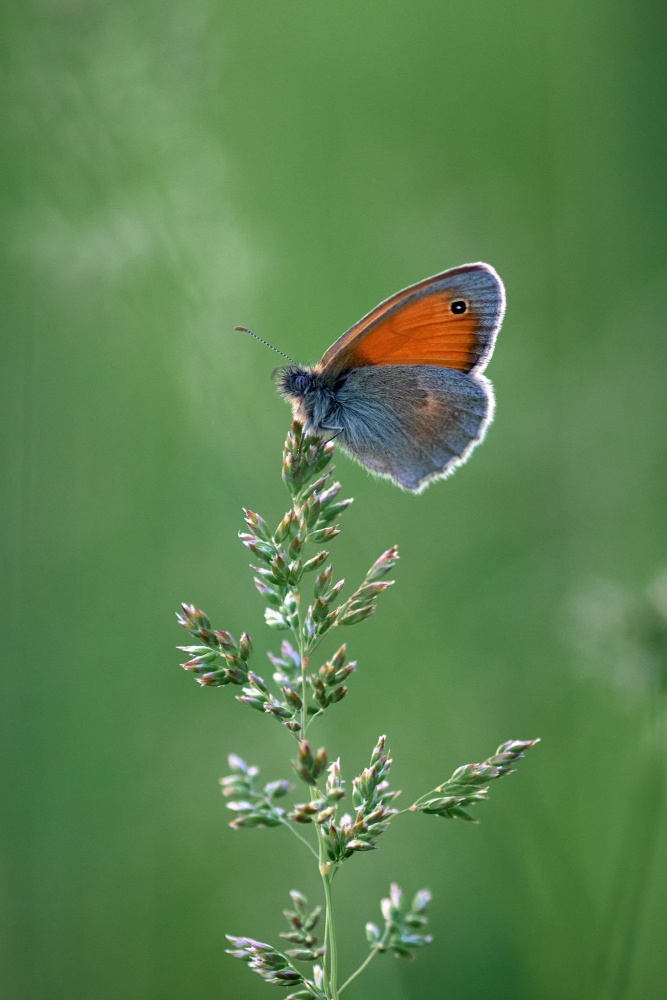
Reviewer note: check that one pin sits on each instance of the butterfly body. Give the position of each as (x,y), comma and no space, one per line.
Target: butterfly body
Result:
(403,390)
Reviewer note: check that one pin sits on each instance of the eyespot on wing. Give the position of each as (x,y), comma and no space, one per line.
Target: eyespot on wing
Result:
(450,321)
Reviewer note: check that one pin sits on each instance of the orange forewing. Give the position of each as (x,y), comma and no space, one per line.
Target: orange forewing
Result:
(413,327)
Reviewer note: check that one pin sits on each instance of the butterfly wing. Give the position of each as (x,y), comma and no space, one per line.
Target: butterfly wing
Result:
(448,321)
(413,423)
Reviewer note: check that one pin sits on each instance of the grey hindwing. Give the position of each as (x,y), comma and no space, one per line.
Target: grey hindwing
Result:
(412,423)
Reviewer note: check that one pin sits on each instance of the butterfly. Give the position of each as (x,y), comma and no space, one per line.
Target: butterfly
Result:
(403,391)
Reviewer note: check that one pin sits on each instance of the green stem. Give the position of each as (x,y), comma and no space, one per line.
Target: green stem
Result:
(299,837)
(330,961)
(373,952)
(361,968)
(326,945)
(304,698)
(320,711)
(332,954)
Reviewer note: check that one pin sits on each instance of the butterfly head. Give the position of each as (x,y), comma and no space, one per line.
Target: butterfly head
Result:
(294,382)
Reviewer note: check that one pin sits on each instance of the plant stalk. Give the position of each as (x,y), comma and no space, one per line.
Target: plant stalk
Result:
(331,953)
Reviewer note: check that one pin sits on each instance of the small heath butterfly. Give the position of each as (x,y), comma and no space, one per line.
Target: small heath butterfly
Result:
(403,391)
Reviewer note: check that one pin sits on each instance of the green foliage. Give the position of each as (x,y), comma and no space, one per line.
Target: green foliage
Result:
(401,927)
(307,608)
(469,783)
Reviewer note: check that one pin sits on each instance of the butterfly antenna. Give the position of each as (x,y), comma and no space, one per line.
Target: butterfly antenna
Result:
(243,329)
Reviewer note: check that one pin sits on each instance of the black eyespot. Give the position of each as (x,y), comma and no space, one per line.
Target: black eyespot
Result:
(459,306)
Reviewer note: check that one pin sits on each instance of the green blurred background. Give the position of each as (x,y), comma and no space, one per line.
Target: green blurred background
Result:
(171,171)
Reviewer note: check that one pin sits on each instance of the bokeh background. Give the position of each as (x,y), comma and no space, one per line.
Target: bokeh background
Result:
(170,171)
